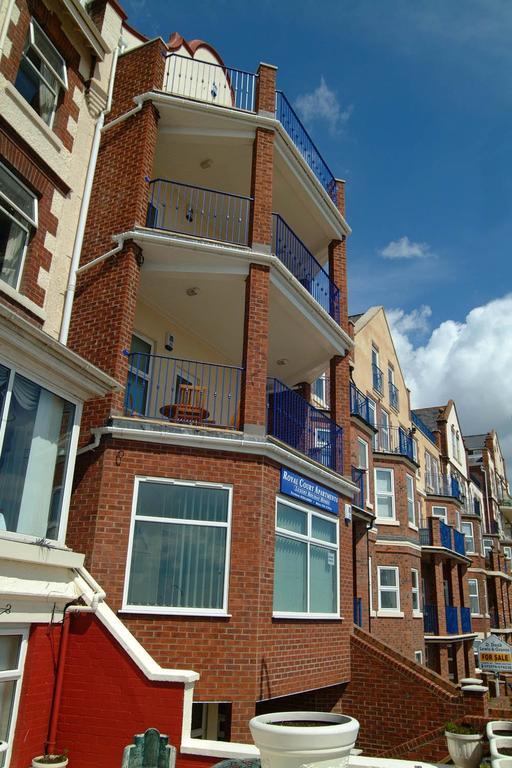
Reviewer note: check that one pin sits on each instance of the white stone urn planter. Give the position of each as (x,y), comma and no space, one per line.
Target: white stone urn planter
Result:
(293,739)
(50,761)
(465,748)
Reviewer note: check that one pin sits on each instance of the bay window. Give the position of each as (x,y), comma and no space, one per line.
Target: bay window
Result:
(389,588)
(306,562)
(467,530)
(178,559)
(36,432)
(18,218)
(411,506)
(474,600)
(415,581)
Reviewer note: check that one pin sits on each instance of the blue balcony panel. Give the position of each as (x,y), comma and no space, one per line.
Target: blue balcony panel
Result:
(394,399)
(452,620)
(430,620)
(377,379)
(446,535)
(465,620)
(358,611)
(420,424)
(459,543)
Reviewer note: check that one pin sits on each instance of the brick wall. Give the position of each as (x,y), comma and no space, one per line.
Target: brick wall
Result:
(243,657)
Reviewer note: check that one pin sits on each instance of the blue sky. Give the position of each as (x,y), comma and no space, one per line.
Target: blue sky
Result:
(410,102)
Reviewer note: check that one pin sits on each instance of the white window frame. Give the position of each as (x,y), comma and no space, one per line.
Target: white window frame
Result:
(415,592)
(507,552)
(308,538)
(16,675)
(364,444)
(396,589)
(384,444)
(21,218)
(321,399)
(73,444)
(141,374)
(379,519)
(372,415)
(486,546)
(169,610)
(370,587)
(444,514)
(475,595)
(411,503)
(470,549)
(418,657)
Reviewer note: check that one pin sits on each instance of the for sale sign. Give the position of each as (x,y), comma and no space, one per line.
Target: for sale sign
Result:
(495,655)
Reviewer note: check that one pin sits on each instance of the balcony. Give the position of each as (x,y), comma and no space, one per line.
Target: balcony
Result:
(449,538)
(292,252)
(452,620)
(377,379)
(210,83)
(292,420)
(394,400)
(394,440)
(465,620)
(430,621)
(305,145)
(422,427)
(198,212)
(358,477)
(442,485)
(459,542)
(358,611)
(183,391)
(359,405)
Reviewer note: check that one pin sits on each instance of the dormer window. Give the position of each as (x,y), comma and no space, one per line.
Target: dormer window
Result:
(42,73)
(18,218)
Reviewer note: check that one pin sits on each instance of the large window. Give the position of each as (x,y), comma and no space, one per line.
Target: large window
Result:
(389,588)
(411,506)
(467,530)
(139,375)
(18,217)
(178,559)
(306,562)
(474,601)
(42,73)
(12,656)
(440,512)
(415,589)
(384,494)
(35,444)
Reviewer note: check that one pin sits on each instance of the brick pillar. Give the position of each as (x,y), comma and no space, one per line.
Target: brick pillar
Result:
(460,665)
(470,658)
(241,713)
(304,390)
(266,90)
(439,594)
(253,405)
(443,661)
(260,235)
(339,377)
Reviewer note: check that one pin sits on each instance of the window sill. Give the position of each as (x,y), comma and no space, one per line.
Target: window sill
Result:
(13,294)
(417,615)
(307,616)
(386,521)
(173,612)
(413,527)
(383,614)
(33,117)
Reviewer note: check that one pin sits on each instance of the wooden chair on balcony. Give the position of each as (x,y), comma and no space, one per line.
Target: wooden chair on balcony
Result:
(190,406)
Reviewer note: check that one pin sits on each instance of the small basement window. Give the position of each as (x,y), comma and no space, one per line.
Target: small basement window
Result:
(211,720)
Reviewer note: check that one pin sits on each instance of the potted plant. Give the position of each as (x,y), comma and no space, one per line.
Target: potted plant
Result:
(291,739)
(464,742)
(59,760)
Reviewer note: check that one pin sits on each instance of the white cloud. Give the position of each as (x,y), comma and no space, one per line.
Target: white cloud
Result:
(405,249)
(323,105)
(470,362)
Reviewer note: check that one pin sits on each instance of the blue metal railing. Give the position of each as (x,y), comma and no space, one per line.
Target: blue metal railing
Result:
(213,83)
(425,537)
(183,391)
(304,143)
(393,396)
(442,485)
(459,543)
(358,611)
(452,620)
(394,440)
(430,622)
(422,427)
(446,535)
(358,477)
(198,211)
(291,419)
(377,379)
(359,404)
(292,252)
(465,620)
(455,487)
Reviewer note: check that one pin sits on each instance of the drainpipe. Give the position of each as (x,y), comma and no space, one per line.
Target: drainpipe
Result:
(86,199)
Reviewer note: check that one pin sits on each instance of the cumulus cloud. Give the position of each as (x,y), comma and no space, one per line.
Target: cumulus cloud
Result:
(470,362)
(322,105)
(405,249)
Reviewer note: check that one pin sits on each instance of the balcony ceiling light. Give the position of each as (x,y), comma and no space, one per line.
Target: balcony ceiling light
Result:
(282,361)
(193,291)
(206,163)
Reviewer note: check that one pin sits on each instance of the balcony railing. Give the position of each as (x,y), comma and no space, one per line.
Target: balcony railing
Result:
(198,211)
(394,440)
(430,621)
(358,477)
(425,537)
(378,379)
(452,620)
(446,535)
(291,419)
(359,404)
(465,620)
(422,427)
(494,618)
(442,485)
(213,83)
(304,143)
(459,542)
(393,396)
(183,391)
(302,264)
(358,611)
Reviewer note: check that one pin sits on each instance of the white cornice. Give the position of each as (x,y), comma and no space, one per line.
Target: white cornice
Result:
(87,27)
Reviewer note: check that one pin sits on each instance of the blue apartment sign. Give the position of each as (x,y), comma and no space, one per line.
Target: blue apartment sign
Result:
(308,491)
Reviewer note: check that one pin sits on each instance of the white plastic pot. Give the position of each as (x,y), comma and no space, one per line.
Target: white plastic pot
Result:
(41,761)
(465,749)
(290,746)
(495,729)
(497,743)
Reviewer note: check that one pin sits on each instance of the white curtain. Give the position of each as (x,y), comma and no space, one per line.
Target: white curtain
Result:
(47,98)
(11,260)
